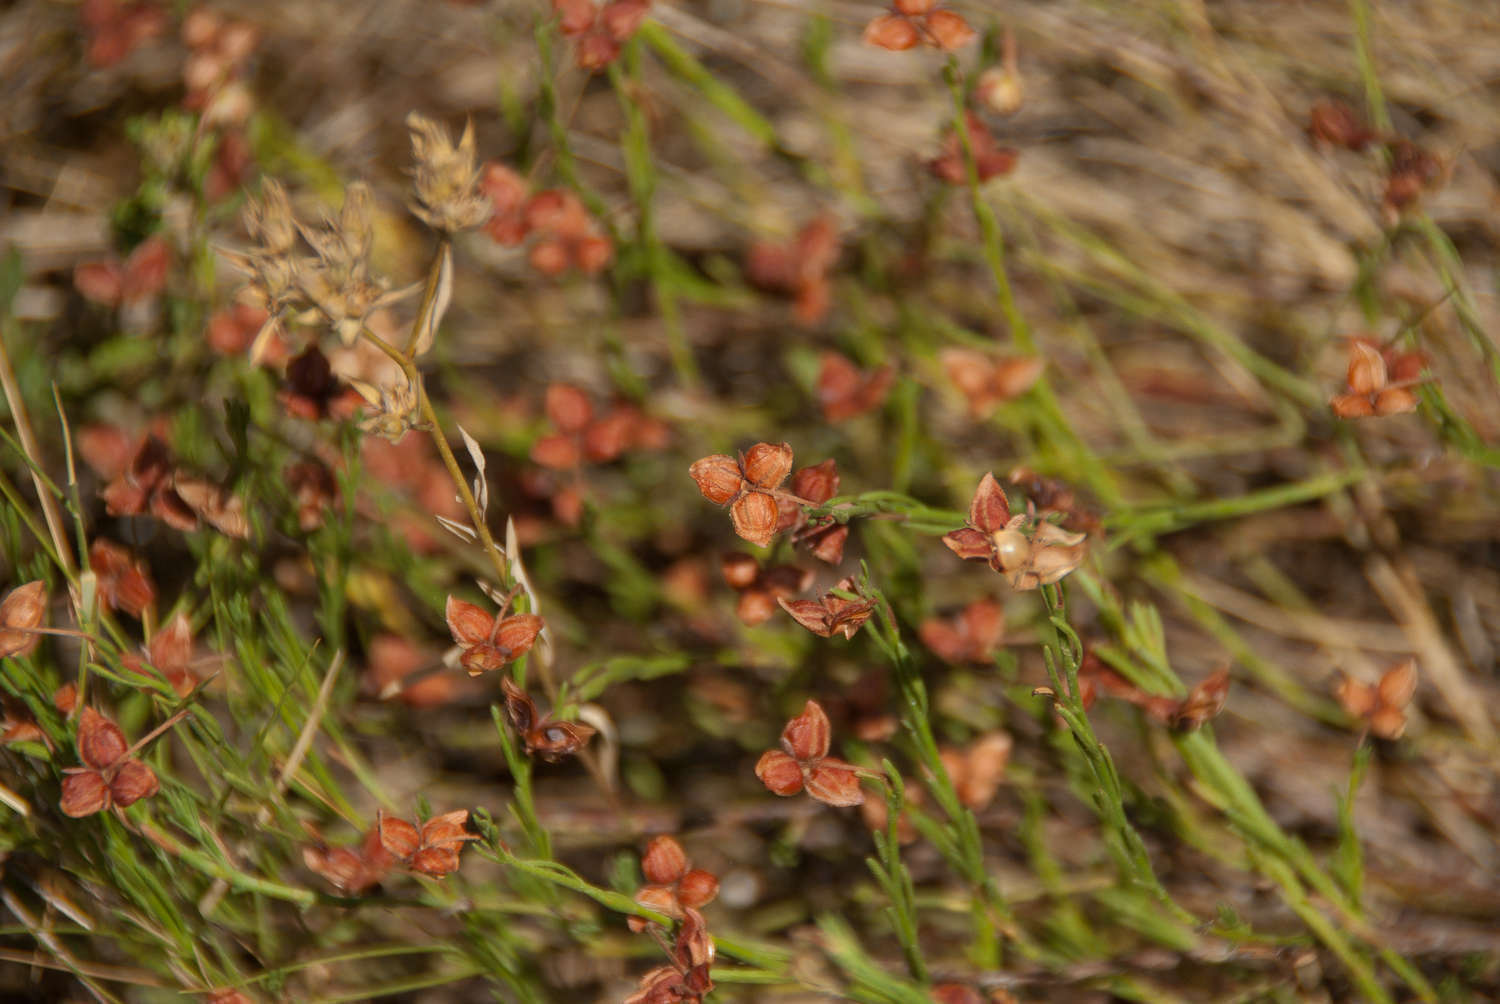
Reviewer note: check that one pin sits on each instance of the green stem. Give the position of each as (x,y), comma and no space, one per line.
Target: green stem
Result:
(1063,655)
(640,173)
(1364,56)
(1049,416)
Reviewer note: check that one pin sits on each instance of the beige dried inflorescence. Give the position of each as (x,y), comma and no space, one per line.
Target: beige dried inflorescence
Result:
(339,282)
(446,178)
(271,261)
(395,408)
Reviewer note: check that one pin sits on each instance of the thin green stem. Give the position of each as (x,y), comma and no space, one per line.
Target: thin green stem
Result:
(640,173)
(1364,57)
(1050,417)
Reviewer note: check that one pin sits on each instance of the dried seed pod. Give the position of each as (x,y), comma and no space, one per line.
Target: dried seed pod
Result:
(747,486)
(1367,372)
(132,782)
(664,862)
(832,614)
(660,898)
(779,772)
(124,583)
(949,30)
(807,736)
(718,478)
(540,734)
(100,741)
(84,794)
(489,642)
(697,888)
(803,762)
(893,32)
(844,392)
(399,838)
(740,570)
(1203,703)
(1337,124)
(20,613)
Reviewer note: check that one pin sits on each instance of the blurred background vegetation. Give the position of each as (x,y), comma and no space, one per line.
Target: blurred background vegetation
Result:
(749,225)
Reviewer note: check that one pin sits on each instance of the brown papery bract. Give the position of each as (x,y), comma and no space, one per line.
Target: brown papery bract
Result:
(832,614)
(1203,702)
(124,583)
(972,635)
(845,392)
(489,642)
(540,735)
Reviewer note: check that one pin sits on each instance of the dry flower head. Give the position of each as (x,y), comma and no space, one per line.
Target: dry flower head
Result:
(672,884)
(347,870)
(445,180)
(803,762)
(430,850)
(971,635)
(540,734)
(338,280)
(845,392)
(110,775)
(799,268)
(748,486)
(123,581)
(831,614)
(140,277)
(599,32)
(489,642)
(1382,706)
(1029,552)
(760,588)
(169,653)
(977,770)
(910,23)
(987,382)
(991,160)
(1379,380)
